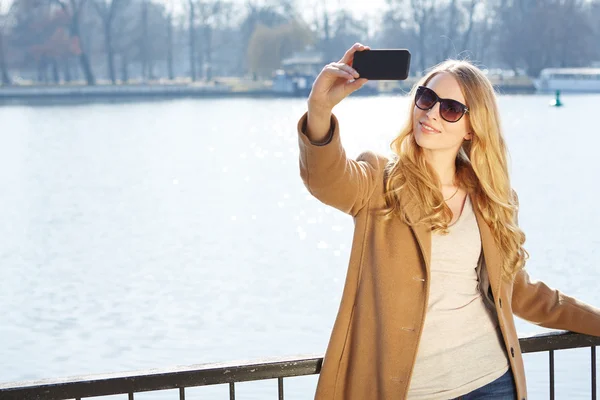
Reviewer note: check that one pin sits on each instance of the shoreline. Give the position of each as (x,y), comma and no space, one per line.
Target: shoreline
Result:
(20,93)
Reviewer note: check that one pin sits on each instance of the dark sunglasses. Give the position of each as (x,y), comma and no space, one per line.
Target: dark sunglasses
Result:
(450,110)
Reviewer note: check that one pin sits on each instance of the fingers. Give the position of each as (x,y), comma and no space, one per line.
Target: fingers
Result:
(341,72)
(355,85)
(347,68)
(349,55)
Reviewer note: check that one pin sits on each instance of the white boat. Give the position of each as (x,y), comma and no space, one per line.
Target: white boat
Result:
(579,80)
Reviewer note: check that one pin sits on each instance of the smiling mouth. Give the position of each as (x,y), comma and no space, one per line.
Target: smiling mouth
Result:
(428,128)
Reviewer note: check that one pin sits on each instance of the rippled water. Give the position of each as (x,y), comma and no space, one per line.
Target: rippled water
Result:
(149,235)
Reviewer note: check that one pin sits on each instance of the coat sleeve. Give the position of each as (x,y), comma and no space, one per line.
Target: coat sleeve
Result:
(541,305)
(331,177)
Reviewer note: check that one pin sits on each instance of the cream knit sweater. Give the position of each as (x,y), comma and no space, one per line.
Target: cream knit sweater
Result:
(461,346)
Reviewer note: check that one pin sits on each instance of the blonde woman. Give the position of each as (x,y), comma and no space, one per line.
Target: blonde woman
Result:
(436,266)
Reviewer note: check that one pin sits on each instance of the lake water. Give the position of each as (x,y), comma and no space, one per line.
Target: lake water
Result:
(156,234)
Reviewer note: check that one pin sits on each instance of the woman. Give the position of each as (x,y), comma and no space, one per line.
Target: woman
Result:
(436,266)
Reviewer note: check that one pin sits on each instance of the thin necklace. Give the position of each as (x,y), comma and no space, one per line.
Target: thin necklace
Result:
(452,195)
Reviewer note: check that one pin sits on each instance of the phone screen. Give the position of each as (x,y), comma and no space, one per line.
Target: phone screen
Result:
(388,64)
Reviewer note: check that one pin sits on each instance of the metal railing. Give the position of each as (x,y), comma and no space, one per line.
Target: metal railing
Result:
(232,373)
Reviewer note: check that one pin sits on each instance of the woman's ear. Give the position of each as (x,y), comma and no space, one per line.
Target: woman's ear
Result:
(468,136)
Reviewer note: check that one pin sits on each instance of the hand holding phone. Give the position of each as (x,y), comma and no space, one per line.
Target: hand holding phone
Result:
(336,81)
(382,64)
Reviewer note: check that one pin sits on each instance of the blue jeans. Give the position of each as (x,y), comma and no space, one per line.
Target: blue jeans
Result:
(502,388)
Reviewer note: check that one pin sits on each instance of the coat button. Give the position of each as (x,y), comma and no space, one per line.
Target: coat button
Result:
(512,352)
(500,301)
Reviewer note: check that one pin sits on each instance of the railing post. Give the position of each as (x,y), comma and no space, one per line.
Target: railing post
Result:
(594,373)
(551,352)
(280,388)
(231,391)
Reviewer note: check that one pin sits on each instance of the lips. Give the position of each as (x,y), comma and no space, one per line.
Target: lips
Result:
(431,128)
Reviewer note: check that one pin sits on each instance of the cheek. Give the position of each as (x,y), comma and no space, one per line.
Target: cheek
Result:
(417,115)
(457,130)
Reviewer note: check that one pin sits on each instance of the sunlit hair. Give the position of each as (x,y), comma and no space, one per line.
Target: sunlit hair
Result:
(481,169)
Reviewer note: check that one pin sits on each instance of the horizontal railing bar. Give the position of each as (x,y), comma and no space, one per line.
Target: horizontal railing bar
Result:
(161,379)
(557,341)
(222,373)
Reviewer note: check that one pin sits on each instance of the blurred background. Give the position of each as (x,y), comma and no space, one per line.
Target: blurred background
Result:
(152,209)
(217,41)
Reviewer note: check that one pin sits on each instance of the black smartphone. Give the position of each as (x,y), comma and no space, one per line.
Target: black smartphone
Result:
(383,64)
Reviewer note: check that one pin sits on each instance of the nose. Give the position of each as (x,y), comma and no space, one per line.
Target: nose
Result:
(434,112)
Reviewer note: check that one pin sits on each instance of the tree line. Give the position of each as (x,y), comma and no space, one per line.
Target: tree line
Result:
(61,41)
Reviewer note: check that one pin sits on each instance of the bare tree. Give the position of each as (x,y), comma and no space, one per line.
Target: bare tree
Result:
(4,15)
(192,37)
(460,22)
(422,11)
(153,36)
(204,17)
(170,6)
(257,14)
(40,33)
(145,42)
(395,27)
(344,29)
(471,6)
(269,46)
(536,35)
(5,79)
(594,17)
(107,10)
(73,10)
(209,14)
(483,41)
(453,17)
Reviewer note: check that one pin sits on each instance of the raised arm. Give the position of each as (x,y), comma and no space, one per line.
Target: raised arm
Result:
(326,171)
(334,179)
(335,82)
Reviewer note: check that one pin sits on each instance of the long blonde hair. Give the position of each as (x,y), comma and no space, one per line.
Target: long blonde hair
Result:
(481,170)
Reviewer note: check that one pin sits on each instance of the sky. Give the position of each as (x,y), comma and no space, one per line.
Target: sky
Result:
(307,7)
(358,7)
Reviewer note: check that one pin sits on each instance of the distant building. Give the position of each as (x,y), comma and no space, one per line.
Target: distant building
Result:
(298,72)
(307,62)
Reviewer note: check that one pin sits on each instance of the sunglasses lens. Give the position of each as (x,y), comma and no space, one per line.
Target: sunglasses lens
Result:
(451,110)
(425,98)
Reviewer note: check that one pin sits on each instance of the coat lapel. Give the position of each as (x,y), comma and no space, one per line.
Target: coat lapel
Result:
(423,235)
(493,261)
(421,231)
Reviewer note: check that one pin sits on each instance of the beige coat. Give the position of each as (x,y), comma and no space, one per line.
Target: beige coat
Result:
(373,345)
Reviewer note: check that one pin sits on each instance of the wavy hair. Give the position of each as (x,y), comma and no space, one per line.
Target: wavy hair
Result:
(481,169)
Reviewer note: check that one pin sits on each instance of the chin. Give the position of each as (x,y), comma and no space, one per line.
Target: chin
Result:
(426,144)
(420,140)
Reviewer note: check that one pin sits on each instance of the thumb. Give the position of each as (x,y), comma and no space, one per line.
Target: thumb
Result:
(355,85)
